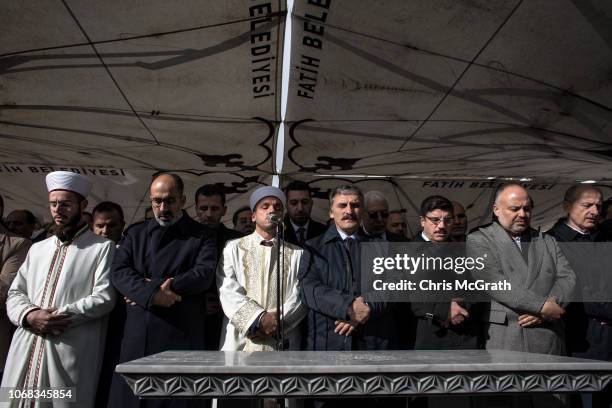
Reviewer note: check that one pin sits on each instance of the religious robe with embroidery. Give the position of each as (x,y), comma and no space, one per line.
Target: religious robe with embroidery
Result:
(246,277)
(74,278)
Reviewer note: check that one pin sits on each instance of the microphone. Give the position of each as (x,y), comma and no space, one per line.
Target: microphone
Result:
(273,218)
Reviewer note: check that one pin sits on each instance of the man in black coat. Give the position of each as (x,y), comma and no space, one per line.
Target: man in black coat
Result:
(299,227)
(210,209)
(162,268)
(449,325)
(588,325)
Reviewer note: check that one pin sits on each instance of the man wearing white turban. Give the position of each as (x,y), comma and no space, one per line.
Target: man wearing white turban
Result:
(59,301)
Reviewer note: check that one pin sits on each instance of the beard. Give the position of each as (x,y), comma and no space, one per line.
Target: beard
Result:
(67,231)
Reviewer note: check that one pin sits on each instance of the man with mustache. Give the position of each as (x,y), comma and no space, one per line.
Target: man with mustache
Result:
(527,318)
(454,324)
(588,325)
(108,221)
(161,270)
(299,227)
(59,301)
(339,318)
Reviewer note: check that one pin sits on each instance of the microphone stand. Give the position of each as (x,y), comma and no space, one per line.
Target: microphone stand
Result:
(280,333)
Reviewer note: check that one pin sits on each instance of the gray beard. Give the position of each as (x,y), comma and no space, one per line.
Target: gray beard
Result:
(166,223)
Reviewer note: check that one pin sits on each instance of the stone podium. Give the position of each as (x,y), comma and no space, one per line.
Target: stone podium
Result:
(217,374)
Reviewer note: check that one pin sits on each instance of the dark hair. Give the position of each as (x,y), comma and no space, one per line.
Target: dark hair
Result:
(435,202)
(108,206)
(179,181)
(210,190)
(573,193)
(297,185)
(401,211)
(345,189)
(238,211)
(30,218)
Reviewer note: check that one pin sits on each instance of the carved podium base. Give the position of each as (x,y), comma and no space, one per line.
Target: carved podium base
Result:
(201,374)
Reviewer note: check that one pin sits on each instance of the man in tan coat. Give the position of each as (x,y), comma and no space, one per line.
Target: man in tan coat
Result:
(13,251)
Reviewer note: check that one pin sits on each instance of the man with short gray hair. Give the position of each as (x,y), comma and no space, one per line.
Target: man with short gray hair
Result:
(374,220)
(331,284)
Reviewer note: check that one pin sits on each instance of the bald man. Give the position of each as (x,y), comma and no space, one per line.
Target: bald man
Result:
(162,269)
(527,318)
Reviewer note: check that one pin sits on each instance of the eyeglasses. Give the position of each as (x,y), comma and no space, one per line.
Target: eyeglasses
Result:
(438,220)
(61,204)
(375,214)
(157,202)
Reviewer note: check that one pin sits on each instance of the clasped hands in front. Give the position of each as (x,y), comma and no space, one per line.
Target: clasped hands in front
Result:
(164,297)
(358,313)
(550,311)
(268,324)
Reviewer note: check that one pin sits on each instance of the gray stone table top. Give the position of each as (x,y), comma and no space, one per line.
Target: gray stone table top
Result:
(330,362)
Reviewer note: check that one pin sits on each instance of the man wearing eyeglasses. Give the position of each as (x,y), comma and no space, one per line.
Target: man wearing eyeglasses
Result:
(443,325)
(60,299)
(374,220)
(161,270)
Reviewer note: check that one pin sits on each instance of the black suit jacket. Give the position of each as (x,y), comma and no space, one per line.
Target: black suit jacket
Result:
(431,335)
(586,337)
(314,230)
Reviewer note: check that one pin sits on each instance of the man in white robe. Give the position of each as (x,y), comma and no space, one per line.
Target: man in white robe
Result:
(247,280)
(59,301)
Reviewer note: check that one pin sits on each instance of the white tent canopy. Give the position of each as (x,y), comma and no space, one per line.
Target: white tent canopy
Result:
(411,98)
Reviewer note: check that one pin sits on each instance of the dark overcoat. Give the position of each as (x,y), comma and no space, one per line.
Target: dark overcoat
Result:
(186,252)
(214,313)
(588,325)
(314,230)
(431,333)
(328,289)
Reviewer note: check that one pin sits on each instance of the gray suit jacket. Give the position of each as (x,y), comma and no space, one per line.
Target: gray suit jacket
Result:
(546,274)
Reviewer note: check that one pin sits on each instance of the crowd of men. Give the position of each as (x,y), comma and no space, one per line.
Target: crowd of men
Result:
(83,295)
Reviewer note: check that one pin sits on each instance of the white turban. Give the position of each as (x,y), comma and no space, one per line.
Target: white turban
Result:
(266,191)
(67,180)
